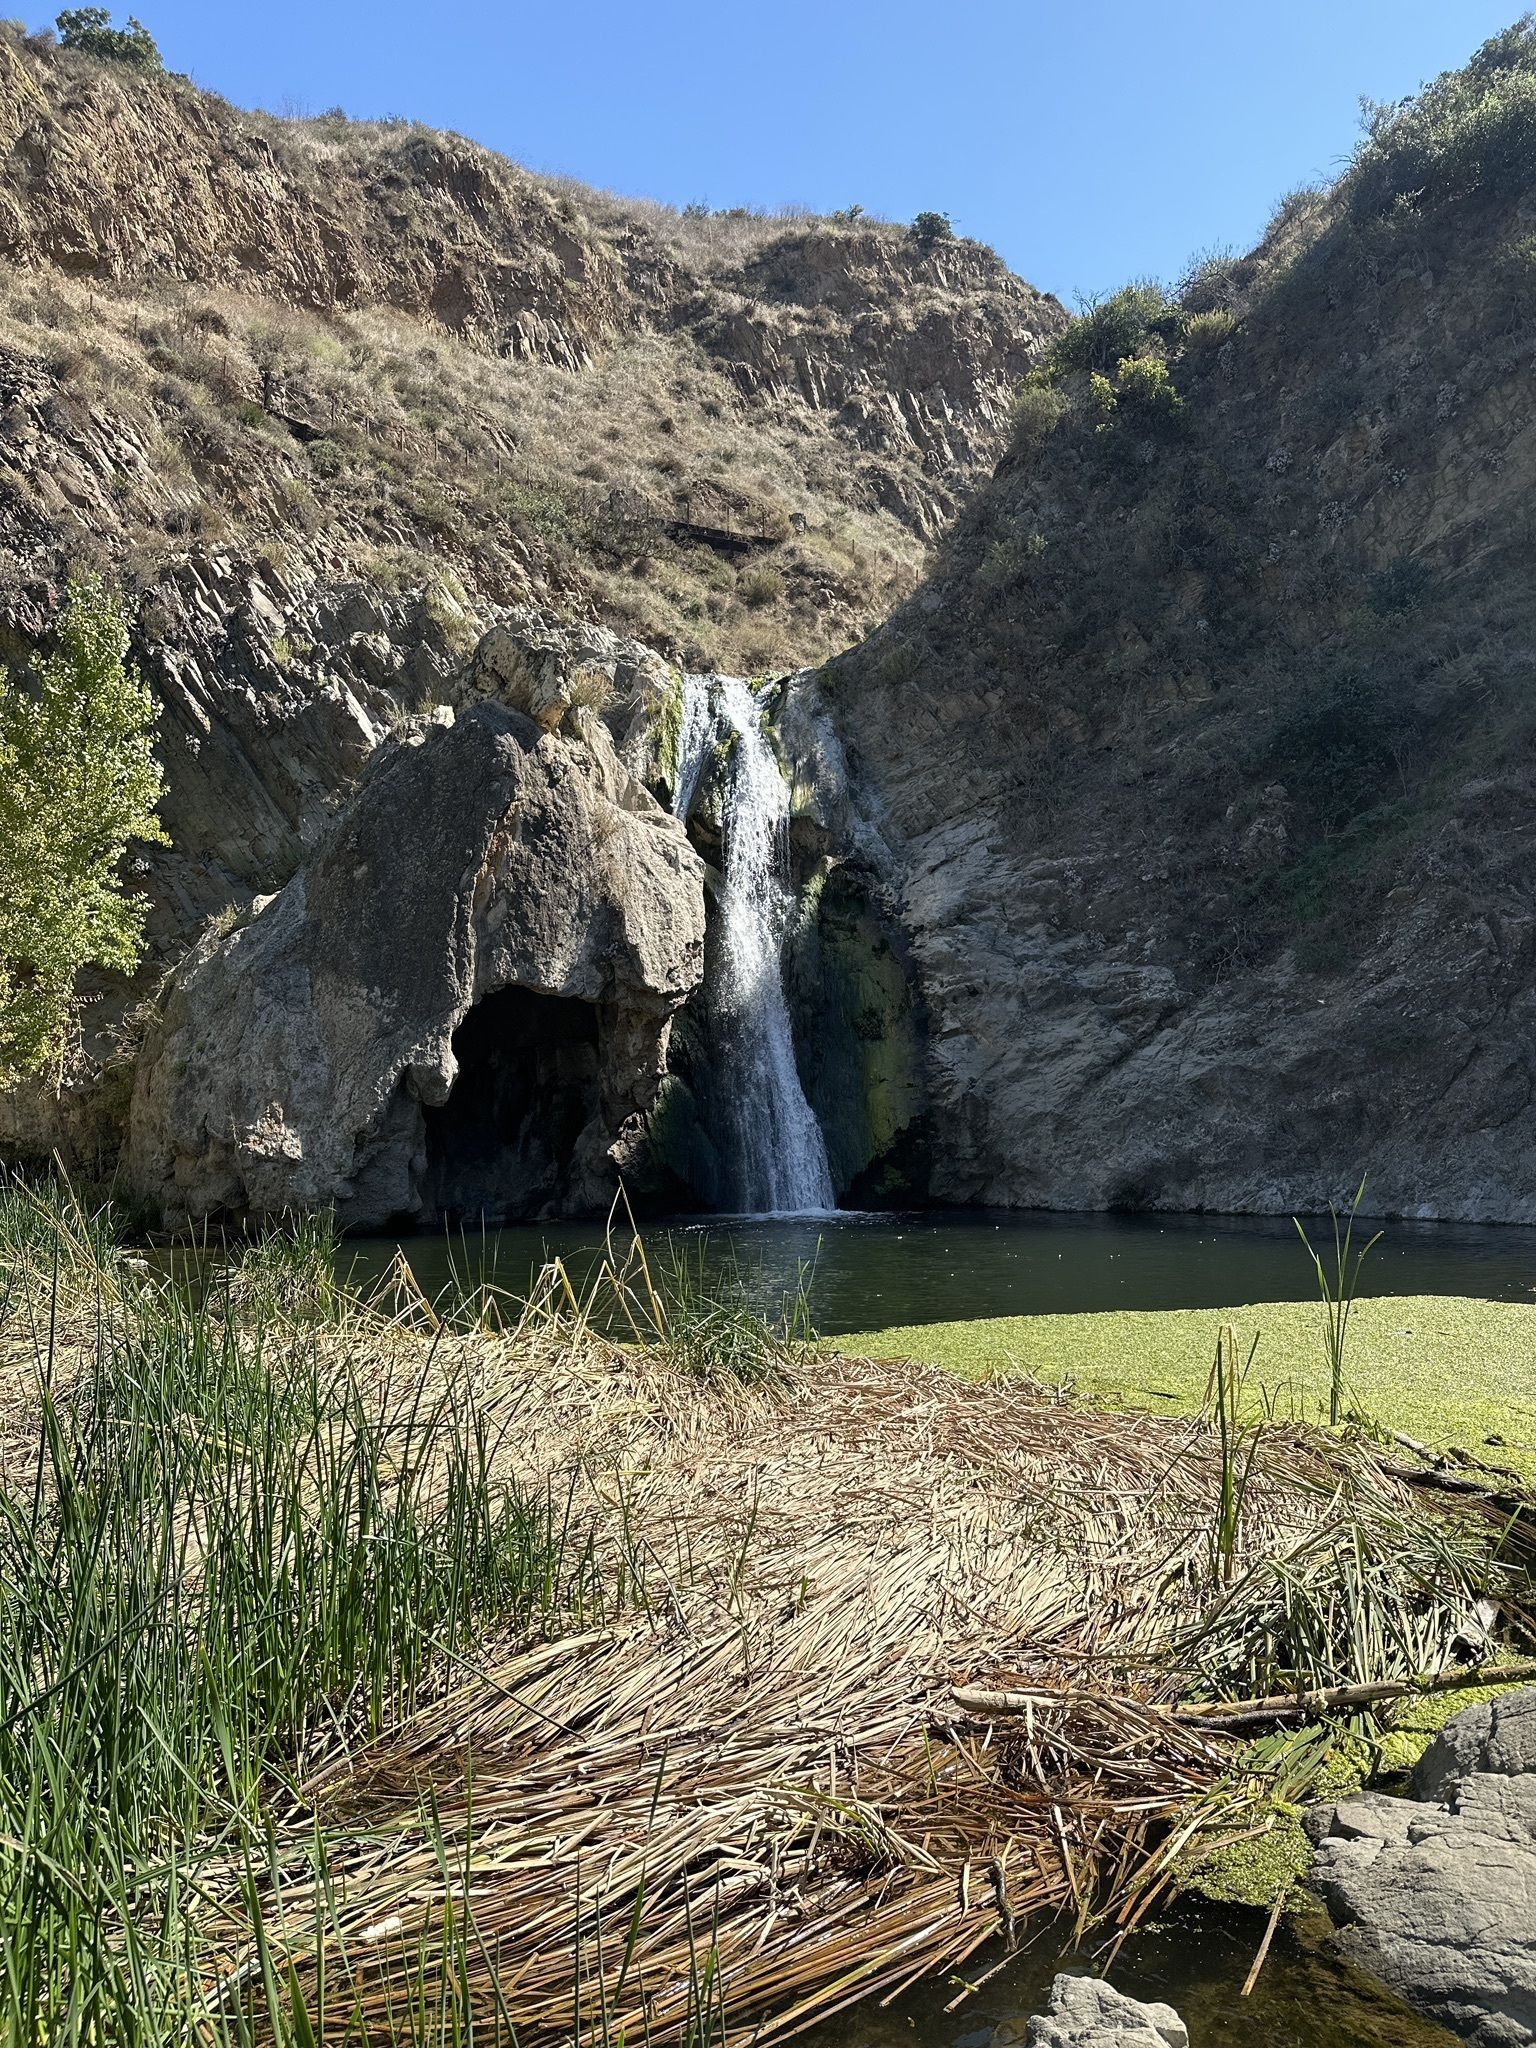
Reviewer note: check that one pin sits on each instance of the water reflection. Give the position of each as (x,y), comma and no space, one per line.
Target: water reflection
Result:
(876,1270)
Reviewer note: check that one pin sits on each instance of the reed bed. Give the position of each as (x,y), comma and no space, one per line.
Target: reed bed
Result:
(372,1673)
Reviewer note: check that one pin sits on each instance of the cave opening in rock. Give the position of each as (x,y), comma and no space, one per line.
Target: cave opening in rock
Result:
(501,1148)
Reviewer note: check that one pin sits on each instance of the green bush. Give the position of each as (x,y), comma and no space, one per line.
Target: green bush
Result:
(1402,586)
(543,510)
(1036,409)
(928,228)
(760,587)
(1142,383)
(90,29)
(1340,747)
(78,781)
(1209,283)
(1205,330)
(326,458)
(1467,130)
(1009,561)
(1119,326)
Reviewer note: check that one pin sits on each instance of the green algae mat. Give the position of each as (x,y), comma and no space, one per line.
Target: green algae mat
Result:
(1448,1371)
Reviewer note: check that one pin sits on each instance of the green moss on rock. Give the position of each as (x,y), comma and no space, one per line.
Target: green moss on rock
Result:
(858,1037)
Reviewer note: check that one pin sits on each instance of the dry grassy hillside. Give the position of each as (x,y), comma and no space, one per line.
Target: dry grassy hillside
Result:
(370,350)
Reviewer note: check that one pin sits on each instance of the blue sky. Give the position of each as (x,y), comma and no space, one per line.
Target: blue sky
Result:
(1087,143)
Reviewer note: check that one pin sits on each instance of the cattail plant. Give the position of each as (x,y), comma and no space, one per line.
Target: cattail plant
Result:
(1338,1288)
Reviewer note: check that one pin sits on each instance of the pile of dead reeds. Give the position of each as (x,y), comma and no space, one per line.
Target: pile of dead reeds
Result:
(682,1689)
(761,1799)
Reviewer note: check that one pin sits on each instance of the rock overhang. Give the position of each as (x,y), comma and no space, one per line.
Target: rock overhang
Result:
(294,1057)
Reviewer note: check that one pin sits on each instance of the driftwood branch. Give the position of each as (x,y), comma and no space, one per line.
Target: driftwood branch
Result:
(1282,1706)
(1275,1911)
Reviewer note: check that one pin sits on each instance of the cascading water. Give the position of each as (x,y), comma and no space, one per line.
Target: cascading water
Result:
(776,1155)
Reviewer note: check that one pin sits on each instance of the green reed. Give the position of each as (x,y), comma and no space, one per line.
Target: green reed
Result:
(1338,1287)
(229,1548)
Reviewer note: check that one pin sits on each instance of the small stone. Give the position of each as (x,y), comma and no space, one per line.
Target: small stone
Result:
(1085,2012)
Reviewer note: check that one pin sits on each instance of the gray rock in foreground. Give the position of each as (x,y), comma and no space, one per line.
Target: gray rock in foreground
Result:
(1437,1893)
(1085,2012)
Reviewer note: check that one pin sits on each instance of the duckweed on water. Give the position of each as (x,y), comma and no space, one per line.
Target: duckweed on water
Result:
(1447,1371)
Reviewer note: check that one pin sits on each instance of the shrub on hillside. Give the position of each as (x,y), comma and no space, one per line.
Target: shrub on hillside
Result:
(1210,281)
(1340,746)
(760,587)
(326,458)
(1467,130)
(928,228)
(1010,561)
(1402,586)
(1143,384)
(1207,329)
(90,29)
(1036,410)
(1116,327)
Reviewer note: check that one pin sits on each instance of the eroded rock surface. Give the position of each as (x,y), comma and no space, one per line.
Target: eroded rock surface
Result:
(300,1058)
(1437,1893)
(1214,834)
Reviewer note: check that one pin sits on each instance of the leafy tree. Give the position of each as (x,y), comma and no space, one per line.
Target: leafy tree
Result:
(90,29)
(928,228)
(78,781)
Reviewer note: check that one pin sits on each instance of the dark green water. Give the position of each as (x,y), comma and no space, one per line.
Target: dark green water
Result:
(873,1271)
(1196,1961)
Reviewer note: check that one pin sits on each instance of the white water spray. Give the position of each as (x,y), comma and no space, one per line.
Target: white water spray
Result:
(776,1153)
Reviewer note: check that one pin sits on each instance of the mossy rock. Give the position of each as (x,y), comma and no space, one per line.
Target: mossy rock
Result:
(858,1038)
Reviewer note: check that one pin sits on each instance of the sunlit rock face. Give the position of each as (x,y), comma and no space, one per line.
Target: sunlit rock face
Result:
(459,1006)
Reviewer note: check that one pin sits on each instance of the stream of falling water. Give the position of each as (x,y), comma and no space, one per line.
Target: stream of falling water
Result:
(775,1154)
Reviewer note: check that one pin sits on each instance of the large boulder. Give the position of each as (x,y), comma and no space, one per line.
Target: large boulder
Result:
(1085,2012)
(1436,1894)
(496,898)
(547,667)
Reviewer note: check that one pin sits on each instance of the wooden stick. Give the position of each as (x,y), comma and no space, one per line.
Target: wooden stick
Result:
(1275,1911)
(1276,1707)
(1453,1456)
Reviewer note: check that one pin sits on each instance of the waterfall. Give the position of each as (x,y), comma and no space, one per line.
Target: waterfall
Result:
(775,1153)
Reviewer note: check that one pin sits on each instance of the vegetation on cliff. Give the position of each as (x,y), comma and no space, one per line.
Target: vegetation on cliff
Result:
(1210,548)
(78,786)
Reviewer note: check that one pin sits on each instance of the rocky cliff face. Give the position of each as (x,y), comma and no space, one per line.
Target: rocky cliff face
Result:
(458,1007)
(398,355)
(1205,753)
(330,399)
(1173,845)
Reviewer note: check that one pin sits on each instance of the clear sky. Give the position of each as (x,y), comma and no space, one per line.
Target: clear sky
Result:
(1088,143)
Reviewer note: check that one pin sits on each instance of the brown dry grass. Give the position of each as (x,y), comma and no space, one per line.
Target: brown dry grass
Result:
(750,1796)
(436,455)
(763,1766)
